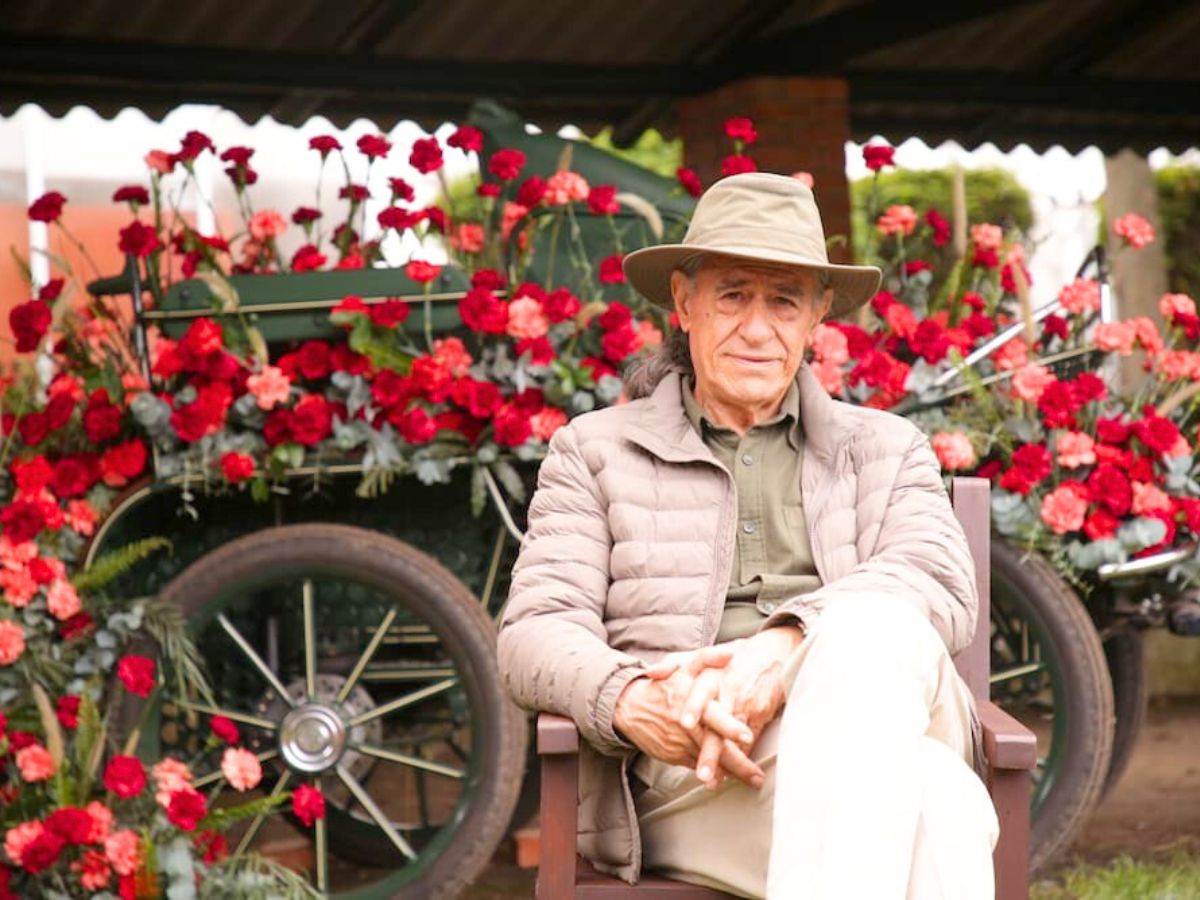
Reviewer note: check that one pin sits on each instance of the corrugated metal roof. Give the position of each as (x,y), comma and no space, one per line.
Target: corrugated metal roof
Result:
(1078,70)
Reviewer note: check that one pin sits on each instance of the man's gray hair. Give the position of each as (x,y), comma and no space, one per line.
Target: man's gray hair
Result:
(674,353)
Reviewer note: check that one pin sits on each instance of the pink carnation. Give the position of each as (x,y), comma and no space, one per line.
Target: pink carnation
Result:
(987,237)
(1147,334)
(12,642)
(467,238)
(565,187)
(35,763)
(954,450)
(1075,449)
(270,387)
(1174,365)
(62,600)
(1136,231)
(546,421)
(829,374)
(121,848)
(102,820)
(1030,381)
(829,345)
(1149,498)
(241,768)
(897,220)
(266,224)
(527,319)
(17,838)
(170,775)
(1011,355)
(1115,337)
(1081,295)
(1064,508)
(1171,305)
(453,355)
(648,335)
(18,587)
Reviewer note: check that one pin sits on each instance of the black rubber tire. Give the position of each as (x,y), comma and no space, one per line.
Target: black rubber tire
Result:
(465,631)
(1027,586)
(1125,652)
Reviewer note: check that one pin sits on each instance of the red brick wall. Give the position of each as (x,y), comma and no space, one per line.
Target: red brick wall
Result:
(802,123)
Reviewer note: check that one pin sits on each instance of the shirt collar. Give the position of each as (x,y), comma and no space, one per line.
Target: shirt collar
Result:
(788,415)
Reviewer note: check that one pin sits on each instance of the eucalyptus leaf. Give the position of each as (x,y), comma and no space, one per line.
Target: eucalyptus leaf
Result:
(1140,533)
(433,471)
(510,479)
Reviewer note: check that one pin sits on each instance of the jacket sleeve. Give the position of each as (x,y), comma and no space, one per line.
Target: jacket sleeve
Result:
(553,646)
(920,557)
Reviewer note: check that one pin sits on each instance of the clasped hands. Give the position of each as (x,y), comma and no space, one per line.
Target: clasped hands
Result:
(706,708)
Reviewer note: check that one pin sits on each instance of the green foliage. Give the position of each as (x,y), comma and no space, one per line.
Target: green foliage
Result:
(993,196)
(1124,879)
(166,624)
(116,563)
(253,877)
(651,151)
(1179,214)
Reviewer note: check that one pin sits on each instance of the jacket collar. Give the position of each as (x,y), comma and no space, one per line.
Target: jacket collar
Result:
(662,427)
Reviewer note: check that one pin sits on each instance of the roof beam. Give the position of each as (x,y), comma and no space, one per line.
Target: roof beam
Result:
(1083,49)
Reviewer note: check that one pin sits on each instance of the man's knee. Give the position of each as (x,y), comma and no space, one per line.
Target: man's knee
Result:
(875,630)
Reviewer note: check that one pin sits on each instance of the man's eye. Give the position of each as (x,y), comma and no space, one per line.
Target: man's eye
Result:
(732,295)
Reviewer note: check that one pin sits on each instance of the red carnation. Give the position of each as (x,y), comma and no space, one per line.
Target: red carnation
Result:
(311,420)
(74,475)
(124,776)
(237,467)
(123,462)
(690,181)
(389,313)
(929,341)
(1057,405)
(308,804)
(1055,327)
(466,138)
(224,729)
(738,164)
(489,279)
(540,350)
(71,823)
(619,343)
(602,200)
(531,191)
(480,398)
(76,626)
(67,711)
(938,225)
(186,808)
(481,311)
(560,305)
(1100,524)
(741,129)
(511,426)
(212,845)
(137,674)
(48,207)
(193,144)
(426,155)
(132,193)
(436,217)
(392,389)
(42,852)
(398,217)
(307,259)
(374,146)
(29,322)
(101,418)
(415,426)
(1109,487)
(611,271)
(1033,461)
(876,156)
(324,144)
(488,189)
(139,240)
(312,359)
(31,475)
(305,215)
(1157,433)
(1112,431)
(506,164)
(422,272)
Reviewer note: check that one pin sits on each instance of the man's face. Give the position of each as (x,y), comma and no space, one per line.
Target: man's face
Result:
(748,325)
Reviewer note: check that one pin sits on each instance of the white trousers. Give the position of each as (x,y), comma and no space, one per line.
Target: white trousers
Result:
(869,790)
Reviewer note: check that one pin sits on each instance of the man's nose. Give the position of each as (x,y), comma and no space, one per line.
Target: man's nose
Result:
(756,324)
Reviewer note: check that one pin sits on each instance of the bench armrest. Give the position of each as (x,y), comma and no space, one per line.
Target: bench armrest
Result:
(556,734)
(1006,742)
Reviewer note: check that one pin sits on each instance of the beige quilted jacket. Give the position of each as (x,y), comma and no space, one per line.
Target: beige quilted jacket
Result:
(628,551)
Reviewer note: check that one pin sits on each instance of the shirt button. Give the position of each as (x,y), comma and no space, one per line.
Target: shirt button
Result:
(768,606)
(748,527)
(747,459)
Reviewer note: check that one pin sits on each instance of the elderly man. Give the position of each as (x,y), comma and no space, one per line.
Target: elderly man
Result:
(746,595)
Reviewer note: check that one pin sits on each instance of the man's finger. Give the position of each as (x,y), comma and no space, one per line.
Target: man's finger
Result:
(715,657)
(704,689)
(664,668)
(707,760)
(719,718)
(740,766)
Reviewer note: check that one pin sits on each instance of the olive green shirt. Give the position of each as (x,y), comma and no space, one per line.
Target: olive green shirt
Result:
(772,558)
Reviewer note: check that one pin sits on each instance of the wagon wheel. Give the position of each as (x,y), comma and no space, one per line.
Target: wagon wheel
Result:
(1048,670)
(353,662)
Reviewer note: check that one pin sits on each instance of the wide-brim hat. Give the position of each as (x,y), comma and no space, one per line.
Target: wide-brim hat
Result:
(755,216)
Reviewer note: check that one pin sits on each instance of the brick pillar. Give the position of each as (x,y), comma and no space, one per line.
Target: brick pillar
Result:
(802,123)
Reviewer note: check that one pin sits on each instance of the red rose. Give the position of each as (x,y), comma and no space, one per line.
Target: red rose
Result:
(312,359)
(1110,487)
(511,426)
(29,322)
(531,191)
(324,144)
(480,398)
(466,138)
(237,467)
(374,146)
(224,729)
(186,808)
(690,181)
(74,475)
(67,711)
(876,156)
(307,259)
(482,312)
(308,804)
(1033,461)
(737,164)
(122,463)
(139,240)
(426,155)
(48,207)
(124,776)
(311,420)
(611,271)
(137,674)
(741,129)
(422,272)
(938,225)
(506,164)
(71,823)
(389,313)
(42,852)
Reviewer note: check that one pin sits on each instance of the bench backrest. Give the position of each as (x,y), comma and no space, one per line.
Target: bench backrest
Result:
(971,498)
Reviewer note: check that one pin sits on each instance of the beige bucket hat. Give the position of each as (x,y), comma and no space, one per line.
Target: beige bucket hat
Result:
(757,216)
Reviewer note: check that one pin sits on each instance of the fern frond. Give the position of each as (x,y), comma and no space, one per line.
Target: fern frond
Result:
(117,562)
(250,876)
(166,624)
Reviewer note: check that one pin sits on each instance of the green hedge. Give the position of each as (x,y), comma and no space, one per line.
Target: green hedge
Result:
(1179,213)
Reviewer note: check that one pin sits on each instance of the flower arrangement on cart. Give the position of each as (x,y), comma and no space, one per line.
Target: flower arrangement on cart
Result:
(1082,474)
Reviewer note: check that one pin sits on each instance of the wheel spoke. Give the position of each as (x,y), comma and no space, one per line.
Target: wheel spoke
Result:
(211,777)
(406,760)
(322,853)
(310,641)
(383,674)
(1016,672)
(407,700)
(368,652)
(257,822)
(244,718)
(255,659)
(375,812)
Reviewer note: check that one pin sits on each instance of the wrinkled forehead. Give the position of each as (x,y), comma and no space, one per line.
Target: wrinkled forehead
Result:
(729,270)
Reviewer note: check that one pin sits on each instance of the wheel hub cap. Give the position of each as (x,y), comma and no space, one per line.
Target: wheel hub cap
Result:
(312,737)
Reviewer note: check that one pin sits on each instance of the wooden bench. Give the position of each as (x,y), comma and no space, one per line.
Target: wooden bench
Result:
(1010,747)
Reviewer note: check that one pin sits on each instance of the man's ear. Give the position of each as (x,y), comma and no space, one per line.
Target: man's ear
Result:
(681,294)
(826,304)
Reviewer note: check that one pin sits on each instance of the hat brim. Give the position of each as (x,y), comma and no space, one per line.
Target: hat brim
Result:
(649,271)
